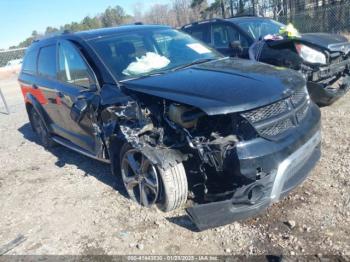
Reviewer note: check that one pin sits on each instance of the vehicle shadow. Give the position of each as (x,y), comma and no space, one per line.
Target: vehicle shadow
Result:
(90,167)
(184,222)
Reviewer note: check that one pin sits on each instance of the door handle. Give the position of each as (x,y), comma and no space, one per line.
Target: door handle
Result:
(35,86)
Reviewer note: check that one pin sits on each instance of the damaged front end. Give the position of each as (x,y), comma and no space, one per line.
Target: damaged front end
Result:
(329,83)
(237,164)
(326,68)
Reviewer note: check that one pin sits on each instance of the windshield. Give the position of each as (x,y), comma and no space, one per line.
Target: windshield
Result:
(151,51)
(258,28)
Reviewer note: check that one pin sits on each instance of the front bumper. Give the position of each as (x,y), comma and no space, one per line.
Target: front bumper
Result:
(325,96)
(291,172)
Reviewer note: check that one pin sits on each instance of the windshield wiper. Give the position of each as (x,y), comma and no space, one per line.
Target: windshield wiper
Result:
(195,62)
(144,76)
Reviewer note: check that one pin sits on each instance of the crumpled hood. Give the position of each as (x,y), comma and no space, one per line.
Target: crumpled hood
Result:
(332,42)
(223,86)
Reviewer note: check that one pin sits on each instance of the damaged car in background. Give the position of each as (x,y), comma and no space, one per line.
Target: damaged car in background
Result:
(323,59)
(181,124)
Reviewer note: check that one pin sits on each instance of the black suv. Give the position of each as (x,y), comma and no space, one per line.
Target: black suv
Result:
(174,118)
(324,59)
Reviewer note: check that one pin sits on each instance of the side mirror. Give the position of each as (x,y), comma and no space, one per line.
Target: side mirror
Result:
(78,110)
(236,48)
(93,87)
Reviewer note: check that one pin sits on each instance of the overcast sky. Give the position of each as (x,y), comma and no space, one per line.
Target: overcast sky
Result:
(18,18)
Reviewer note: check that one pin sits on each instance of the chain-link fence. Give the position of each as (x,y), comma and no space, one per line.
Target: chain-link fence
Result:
(331,19)
(11,57)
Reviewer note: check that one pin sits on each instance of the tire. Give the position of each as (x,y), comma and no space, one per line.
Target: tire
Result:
(40,129)
(172,187)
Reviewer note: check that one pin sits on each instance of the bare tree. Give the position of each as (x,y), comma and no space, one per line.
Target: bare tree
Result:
(138,11)
(182,11)
(199,9)
(160,14)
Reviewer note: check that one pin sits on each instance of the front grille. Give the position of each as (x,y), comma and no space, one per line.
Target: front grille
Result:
(267,112)
(274,120)
(277,128)
(337,59)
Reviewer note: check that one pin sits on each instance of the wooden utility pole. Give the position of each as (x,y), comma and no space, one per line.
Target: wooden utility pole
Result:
(253,3)
(222,8)
(231,7)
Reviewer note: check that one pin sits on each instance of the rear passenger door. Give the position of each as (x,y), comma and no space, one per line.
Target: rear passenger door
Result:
(46,82)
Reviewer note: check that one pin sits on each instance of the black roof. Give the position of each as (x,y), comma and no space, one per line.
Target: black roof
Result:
(230,19)
(237,18)
(91,34)
(97,33)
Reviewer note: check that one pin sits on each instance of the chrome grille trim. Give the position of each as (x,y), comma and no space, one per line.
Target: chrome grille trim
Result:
(302,111)
(298,96)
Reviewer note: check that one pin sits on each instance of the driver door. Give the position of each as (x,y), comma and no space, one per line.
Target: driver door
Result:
(78,97)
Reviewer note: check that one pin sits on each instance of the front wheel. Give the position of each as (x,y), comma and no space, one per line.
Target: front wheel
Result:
(148,184)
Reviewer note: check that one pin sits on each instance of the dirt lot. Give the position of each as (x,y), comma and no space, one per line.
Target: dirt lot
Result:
(64,203)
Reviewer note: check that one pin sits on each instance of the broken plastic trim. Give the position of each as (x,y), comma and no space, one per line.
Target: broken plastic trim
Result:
(273,187)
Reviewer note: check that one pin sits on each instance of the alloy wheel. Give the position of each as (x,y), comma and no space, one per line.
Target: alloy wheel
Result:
(140,177)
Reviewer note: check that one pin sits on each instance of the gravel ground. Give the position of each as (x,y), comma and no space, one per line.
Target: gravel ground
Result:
(65,203)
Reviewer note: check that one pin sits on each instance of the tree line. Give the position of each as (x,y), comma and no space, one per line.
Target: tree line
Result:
(180,12)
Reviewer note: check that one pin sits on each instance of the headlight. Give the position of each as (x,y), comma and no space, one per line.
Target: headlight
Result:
(311,55)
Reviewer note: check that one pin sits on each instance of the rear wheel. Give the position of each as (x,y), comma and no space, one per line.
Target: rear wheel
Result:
(150,185)
(40,129)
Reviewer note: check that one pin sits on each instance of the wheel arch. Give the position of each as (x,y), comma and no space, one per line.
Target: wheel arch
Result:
(33,103)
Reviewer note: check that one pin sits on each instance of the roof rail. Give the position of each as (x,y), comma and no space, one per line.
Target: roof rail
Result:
(66,31)
(204,21)
(244,15)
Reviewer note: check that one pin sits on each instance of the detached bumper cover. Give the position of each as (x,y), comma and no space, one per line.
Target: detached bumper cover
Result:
(324,96)
(290,173)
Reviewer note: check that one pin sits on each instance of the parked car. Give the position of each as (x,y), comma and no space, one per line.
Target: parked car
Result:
(324,59)
(177,120)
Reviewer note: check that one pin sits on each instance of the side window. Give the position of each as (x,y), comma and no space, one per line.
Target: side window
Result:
(235,35)
(223,35)
(201,32)
(47,61)
(72,67)
(29,63)
(220,36)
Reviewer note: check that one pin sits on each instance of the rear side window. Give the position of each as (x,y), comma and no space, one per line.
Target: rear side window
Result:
(221,36)
(201,32)
(72,67)
(47,61)
(224,34)
(29,63)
